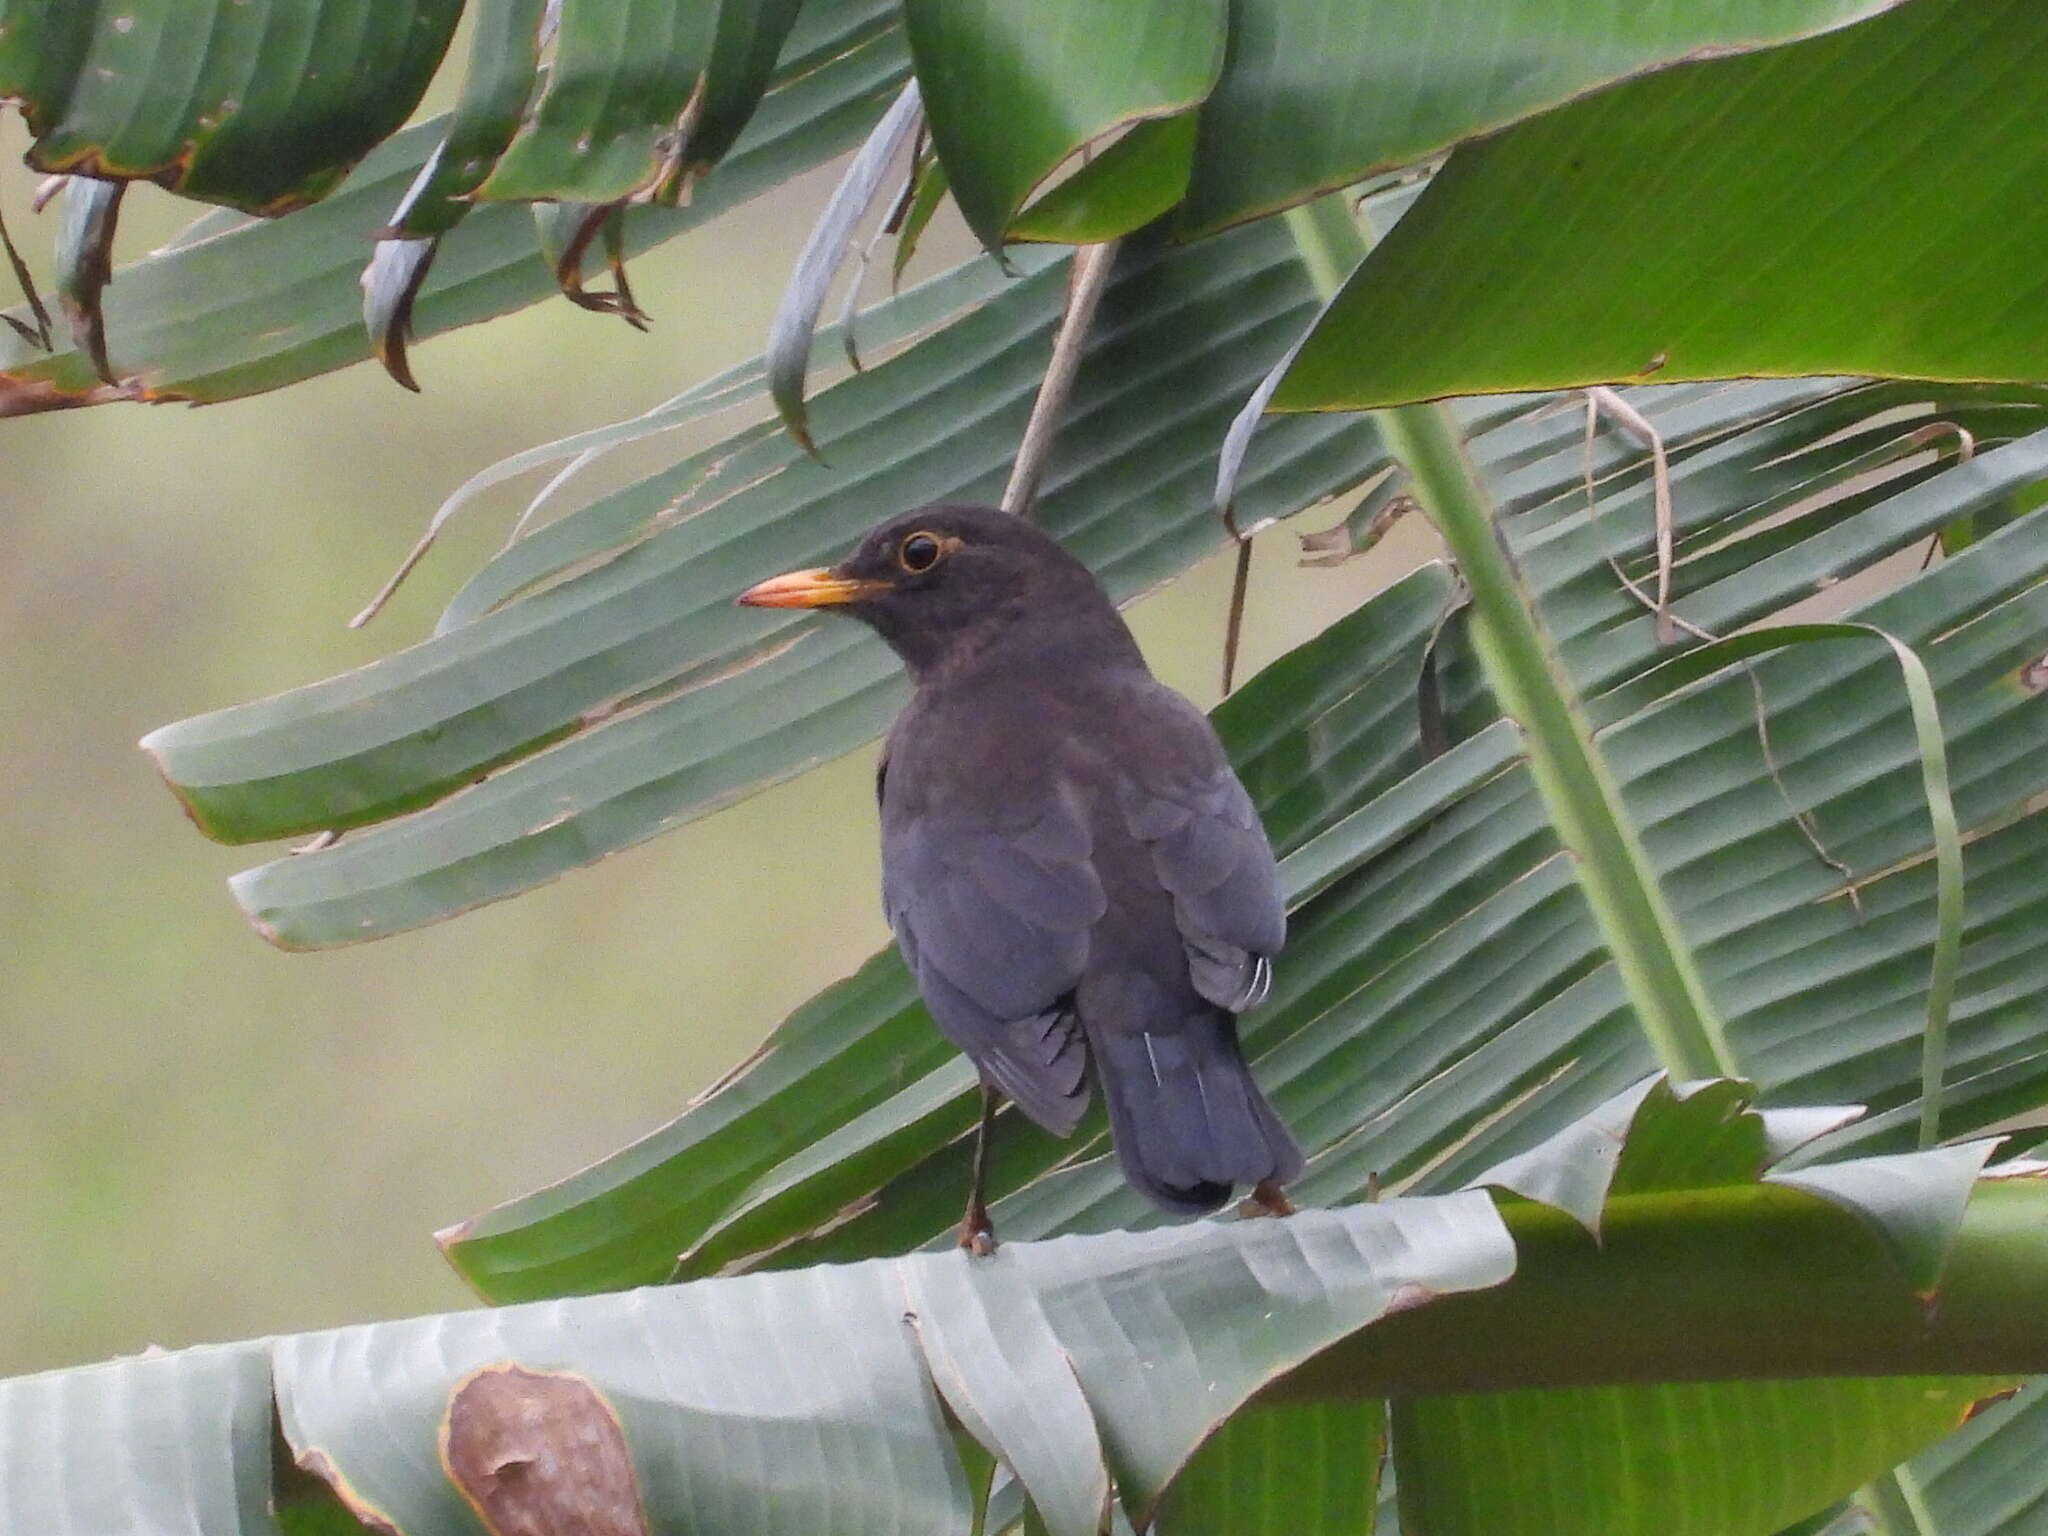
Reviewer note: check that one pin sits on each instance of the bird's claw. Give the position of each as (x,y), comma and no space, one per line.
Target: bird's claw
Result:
(1266,1199)
(977,1234)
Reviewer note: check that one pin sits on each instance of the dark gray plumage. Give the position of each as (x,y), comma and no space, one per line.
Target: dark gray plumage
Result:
(1073,872)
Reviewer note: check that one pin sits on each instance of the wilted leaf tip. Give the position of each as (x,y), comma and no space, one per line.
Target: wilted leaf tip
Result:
(22,395)
(1987,1403)
(152,744)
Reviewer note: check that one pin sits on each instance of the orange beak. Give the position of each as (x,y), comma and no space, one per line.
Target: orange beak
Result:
(822,588)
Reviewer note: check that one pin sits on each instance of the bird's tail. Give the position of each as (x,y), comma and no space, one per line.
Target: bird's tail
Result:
(1188,1119)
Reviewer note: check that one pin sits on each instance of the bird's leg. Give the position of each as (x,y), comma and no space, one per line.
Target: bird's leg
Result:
(977,1233)
(1268,1199)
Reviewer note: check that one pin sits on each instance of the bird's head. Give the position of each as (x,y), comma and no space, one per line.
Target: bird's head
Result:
(945,582)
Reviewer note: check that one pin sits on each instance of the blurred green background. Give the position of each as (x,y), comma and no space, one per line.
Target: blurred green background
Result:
(203,1137)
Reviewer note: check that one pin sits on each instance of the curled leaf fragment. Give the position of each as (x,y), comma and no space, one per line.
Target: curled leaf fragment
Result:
(85,263)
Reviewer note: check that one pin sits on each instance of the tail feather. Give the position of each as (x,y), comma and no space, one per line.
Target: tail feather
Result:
(1187,1116)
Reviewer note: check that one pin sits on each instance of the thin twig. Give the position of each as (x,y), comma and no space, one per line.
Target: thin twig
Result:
(1803,820)
(1240,583)
(1085,284)
(1233,628)
(1634,587)
(1605,401)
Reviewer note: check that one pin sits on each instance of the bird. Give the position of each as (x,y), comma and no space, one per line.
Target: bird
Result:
(1073,872)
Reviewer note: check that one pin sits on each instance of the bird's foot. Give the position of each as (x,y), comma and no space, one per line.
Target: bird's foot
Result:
(977,1232)
(1267,1199)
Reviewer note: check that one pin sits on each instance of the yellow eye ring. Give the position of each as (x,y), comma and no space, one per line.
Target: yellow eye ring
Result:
(919,552)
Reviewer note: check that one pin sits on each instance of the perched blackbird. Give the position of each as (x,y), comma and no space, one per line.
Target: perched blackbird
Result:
(1073,873)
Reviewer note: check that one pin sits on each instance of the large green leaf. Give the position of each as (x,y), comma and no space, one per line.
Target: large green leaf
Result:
(1717,1458)
(1132,182)
(241,310)
(1073,1362)
(797,1402)
(1506,1003)
(1654,1136)
(641,92)
(1318,94)
(1311,95)
(1690,1454)
(504,62)
(653,620)
(1437,900)
(1012,92)
(411,728)
(1772,1283)
(218,99)
(266,106)
(1690,1459)
(1739,217)
(1083,1365)
(237,308)
(1284,1469)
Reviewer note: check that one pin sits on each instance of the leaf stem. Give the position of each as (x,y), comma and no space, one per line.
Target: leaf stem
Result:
(1521,665)
(1753,1282)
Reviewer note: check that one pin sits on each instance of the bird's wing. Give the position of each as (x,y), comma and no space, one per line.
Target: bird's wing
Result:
(1183,801)
(991,908)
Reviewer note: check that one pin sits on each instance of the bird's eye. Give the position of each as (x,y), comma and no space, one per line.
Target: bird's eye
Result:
(919,552)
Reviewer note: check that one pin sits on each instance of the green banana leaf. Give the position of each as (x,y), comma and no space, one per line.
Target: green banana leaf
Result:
(1093,1369)
(793,1403)
(261,104)
(1233,113)
(236,307)
(268,106)
(1433,894)
(1012,93)
(1737,217)
(628,664)
(1318,94)
(1449,1007)
(1728,1457)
